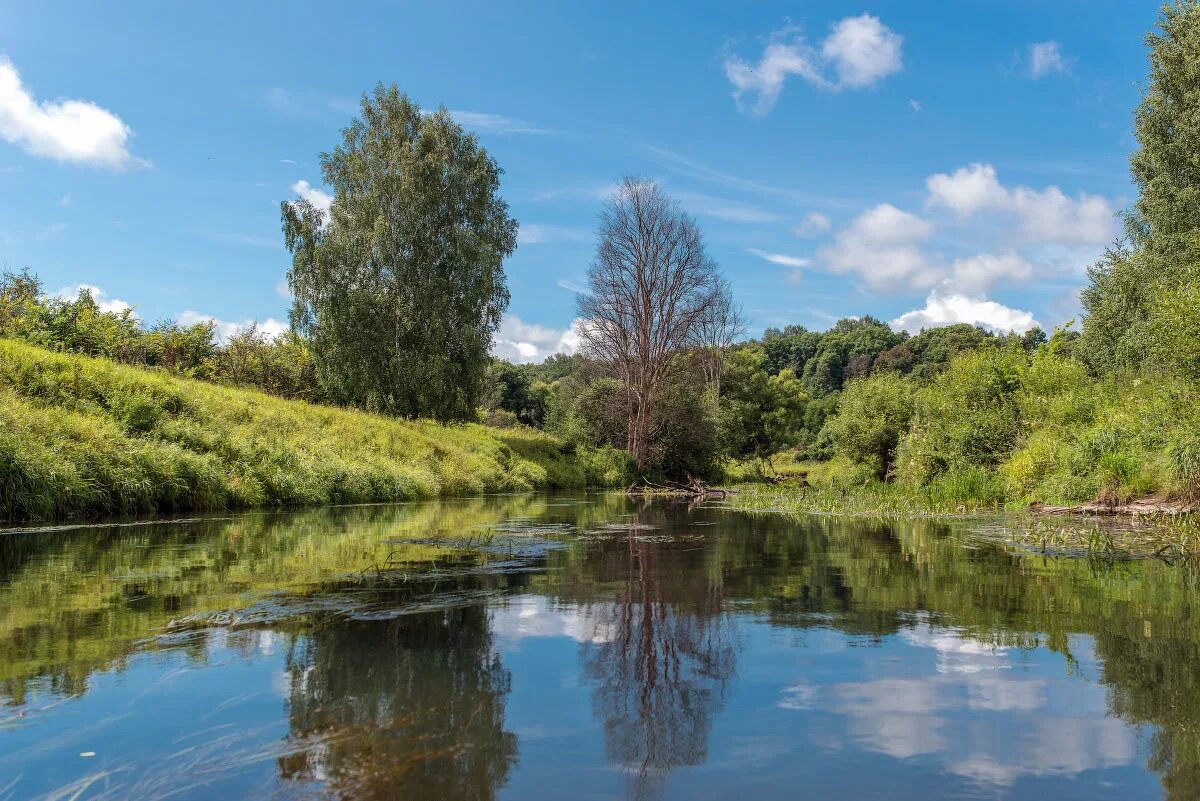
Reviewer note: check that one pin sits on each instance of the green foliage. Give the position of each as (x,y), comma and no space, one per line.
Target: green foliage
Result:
(872,416)
(401,288)
(760,413)
(84,436)
(1142,304)
(968,416)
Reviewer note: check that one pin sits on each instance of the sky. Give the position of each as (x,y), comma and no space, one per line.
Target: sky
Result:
(925,163)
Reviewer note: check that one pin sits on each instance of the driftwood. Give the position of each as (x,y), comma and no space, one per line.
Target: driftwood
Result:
(694,488)
(1133,508)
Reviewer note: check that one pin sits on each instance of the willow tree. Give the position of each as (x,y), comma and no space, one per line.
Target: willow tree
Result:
(400,284)
(652,293)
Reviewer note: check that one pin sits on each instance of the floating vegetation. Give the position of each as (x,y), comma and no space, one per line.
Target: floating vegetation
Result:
(1164,537)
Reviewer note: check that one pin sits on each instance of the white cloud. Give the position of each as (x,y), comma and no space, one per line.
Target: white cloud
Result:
(947,309)
(320,200)
(967,190)
(976,274)
(571,286)
(781,259)
(1047,215)
(914,104)
(863,51)
(1045,58)
(859,52)
(226,329)
(541,234)
(103,301)
(495,123)
(814,224)
(883,246)
(521,342)
(64,130)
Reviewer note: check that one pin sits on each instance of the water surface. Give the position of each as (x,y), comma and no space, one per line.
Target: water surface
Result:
(587,647)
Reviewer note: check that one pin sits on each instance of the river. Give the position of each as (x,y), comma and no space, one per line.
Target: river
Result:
(587,646)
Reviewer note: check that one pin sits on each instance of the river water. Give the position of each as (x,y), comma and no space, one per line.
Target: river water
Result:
(587,646)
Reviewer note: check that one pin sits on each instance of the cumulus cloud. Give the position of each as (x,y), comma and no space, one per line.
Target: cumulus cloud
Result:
(319,199)
(883,247)
(103,301)
(65,130)
(1046,215)
(859,52)
(1045,58)
(862,51)
(814,224)
(947,309)
(521,342)
(228,328)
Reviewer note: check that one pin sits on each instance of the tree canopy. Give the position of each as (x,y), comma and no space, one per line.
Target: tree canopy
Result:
(400,286)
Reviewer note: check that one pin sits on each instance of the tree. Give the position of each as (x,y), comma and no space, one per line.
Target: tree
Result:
(652,289)
(761,414)
(872,416)
(400,286)
(1139,292)
(718,331)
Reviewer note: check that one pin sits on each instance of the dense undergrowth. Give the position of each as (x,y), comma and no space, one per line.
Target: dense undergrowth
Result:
(87,436)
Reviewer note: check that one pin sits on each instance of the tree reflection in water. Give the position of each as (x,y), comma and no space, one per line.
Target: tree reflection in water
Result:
(406,708)
(664,660)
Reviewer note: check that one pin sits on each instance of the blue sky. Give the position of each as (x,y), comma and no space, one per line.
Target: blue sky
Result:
(921,162)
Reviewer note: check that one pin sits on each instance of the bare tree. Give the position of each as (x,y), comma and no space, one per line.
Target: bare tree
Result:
(652,290)
(718,331)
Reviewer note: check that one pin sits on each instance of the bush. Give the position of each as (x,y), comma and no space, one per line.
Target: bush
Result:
(872,416)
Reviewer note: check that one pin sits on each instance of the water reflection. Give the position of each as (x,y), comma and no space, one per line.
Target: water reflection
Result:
(408,708)
(665,655)
(384,652)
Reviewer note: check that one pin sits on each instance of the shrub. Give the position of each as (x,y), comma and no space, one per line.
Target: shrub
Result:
(872,416)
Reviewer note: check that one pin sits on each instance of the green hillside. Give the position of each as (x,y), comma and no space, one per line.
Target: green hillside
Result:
(83,436)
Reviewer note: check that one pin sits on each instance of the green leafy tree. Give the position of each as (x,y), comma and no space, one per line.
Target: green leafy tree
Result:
(761,414)
(873,414)
(401,286)
(1140,298)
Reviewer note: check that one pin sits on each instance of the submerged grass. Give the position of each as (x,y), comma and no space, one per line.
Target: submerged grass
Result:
(85,436)
(1165,536)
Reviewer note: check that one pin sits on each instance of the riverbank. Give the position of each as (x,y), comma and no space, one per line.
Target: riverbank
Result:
(82,437)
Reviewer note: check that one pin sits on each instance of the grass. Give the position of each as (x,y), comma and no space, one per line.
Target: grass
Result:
(875,499)
(84,437)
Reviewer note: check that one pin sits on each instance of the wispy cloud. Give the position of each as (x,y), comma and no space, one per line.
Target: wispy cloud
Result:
(683,165)
(722,209)
(308,104)
(541,234)
(1044,58)
(496,123)
(782,259)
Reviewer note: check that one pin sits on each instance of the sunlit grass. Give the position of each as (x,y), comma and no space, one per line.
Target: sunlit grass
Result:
(84,436)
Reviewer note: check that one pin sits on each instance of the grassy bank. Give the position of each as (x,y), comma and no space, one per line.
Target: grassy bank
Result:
(85,436)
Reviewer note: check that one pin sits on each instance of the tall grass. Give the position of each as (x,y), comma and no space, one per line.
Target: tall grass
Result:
(85,436)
